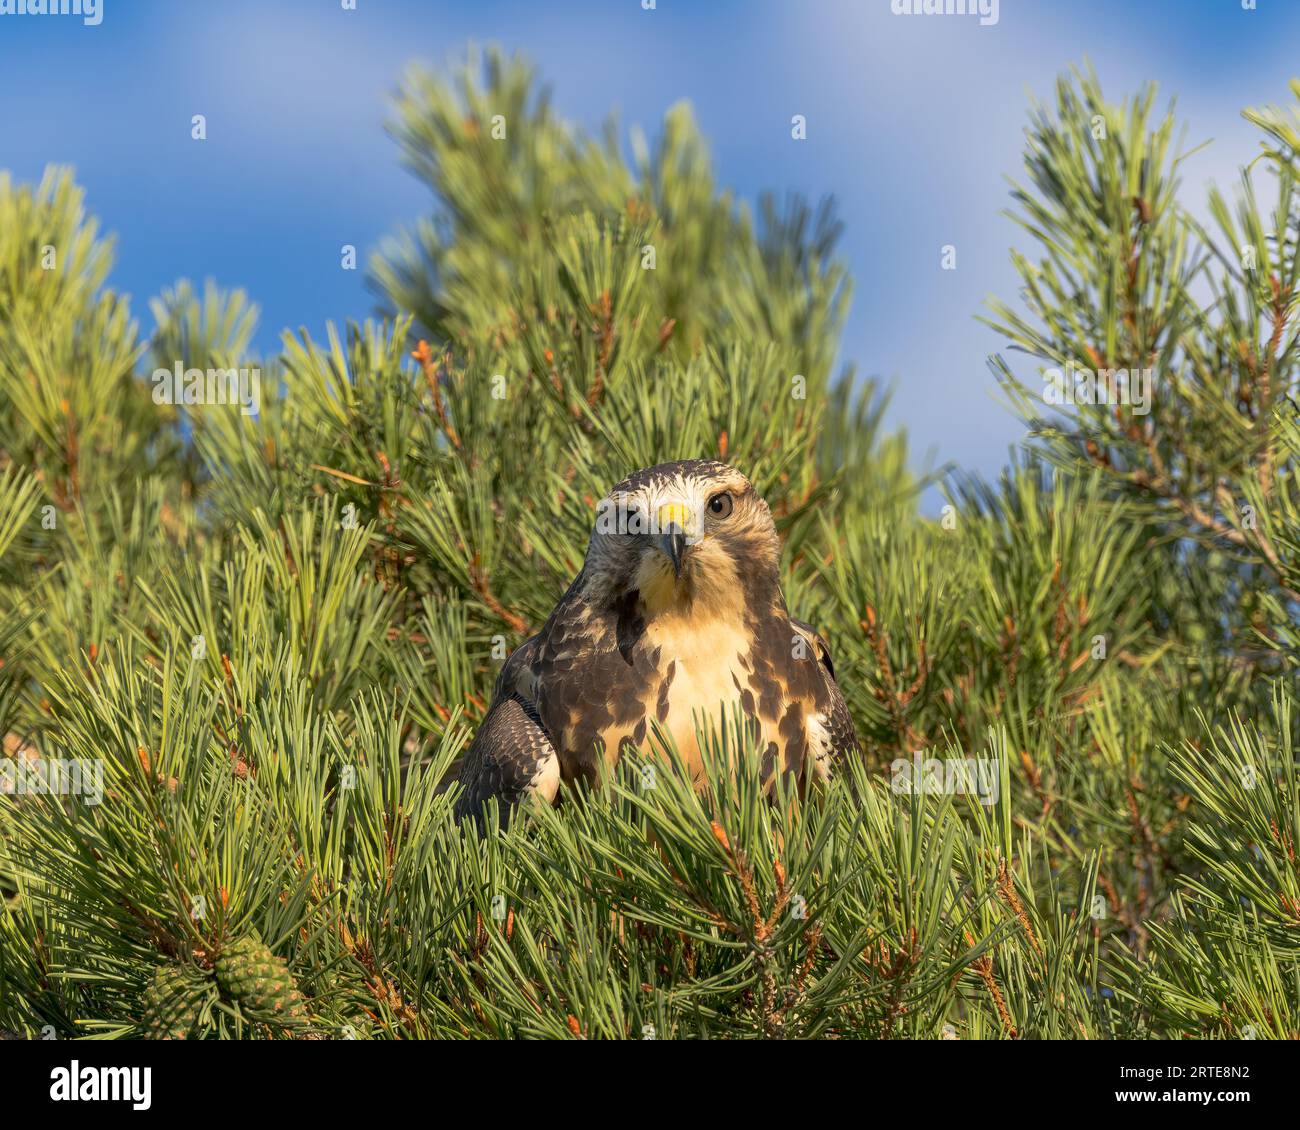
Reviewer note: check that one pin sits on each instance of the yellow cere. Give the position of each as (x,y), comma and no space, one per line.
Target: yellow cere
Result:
(673,512)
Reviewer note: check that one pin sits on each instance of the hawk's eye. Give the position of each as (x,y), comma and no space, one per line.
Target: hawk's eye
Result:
(720,505)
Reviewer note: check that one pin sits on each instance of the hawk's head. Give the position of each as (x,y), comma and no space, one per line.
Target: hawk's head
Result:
(684,536)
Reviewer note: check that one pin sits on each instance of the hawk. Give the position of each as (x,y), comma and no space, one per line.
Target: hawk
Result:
(676,613)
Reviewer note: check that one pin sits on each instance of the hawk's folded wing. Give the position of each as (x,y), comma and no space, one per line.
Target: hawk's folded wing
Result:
(840,734)
(511,755)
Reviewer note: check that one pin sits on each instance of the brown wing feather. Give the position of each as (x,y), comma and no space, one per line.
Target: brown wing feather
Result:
(839,722)
(511,755)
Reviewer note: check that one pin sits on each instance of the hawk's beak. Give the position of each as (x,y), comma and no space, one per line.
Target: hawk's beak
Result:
(673,542)
(674,521)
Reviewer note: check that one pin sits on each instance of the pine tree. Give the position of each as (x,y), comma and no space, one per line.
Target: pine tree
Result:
(276,633)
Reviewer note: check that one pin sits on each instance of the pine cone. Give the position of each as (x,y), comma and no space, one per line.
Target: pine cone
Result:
(171,1004)
(260,983)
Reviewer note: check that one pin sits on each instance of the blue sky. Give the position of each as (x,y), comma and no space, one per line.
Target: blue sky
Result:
(915,122)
